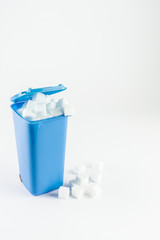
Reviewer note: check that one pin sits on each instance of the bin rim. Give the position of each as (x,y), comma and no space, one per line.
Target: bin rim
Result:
(26,95)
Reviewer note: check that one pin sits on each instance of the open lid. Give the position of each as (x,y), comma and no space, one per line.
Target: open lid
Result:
(24,96)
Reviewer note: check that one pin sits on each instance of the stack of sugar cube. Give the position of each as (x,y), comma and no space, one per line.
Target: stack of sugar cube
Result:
(43,106)
(87,182)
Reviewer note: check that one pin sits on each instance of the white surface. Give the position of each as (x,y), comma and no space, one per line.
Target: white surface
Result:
(129,206)
(107,54)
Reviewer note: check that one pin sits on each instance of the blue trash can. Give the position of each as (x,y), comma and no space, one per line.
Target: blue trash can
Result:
(40,145)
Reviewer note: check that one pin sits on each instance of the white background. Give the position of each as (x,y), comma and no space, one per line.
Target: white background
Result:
(107,53)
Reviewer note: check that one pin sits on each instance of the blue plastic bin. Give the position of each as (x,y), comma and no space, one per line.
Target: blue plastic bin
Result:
(40,146)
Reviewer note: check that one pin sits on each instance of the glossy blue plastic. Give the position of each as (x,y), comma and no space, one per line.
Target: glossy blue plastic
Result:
(26,95)
(41,151)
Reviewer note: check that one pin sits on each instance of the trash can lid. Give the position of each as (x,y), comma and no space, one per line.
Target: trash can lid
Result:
(23,96)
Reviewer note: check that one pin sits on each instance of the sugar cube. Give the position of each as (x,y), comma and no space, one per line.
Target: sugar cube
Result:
(82,179)
(93,190)
(68,110)
(28,114)
(51,107)
(72,182)
(62,102)
(77,191)
(47,98)
(40,109)
(95,177)
(57,112)
(39,97)
(63,192)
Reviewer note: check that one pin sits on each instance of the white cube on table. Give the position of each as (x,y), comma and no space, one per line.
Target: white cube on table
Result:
(63,192)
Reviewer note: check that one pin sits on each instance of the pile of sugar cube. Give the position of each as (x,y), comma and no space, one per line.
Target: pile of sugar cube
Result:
(43,106)
(87,182)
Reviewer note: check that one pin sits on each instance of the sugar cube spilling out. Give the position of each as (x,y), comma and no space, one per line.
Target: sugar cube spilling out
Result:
(63,192)
(96,177)
(73,182)
(93,190)
(43,106)
(82,179)
(77,191)
(87,181)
